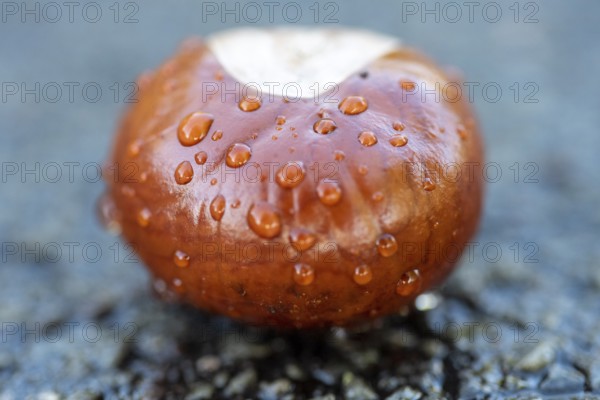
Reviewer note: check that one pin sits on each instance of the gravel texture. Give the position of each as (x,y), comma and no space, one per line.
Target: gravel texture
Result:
(523,325)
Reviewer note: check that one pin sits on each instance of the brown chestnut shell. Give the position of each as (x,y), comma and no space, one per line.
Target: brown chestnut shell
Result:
(379,222)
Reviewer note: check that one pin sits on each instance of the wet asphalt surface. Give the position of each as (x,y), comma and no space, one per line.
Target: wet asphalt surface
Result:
(518,319)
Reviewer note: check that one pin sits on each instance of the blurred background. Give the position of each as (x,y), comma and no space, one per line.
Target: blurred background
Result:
(519,319)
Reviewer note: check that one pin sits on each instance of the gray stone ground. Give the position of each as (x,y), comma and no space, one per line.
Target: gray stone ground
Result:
(524,326)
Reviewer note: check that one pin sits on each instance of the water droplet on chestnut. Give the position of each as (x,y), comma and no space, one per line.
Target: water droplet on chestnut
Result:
(249,104)
(217,135)
(184,173)
(398,140)
(238,155)
(387,245)
(429,184)
(181,259)
(217,207)
(409,283)
(143,217)
(329,192)
(290,174)
(194,127)
(367,138)
(302,239)
(304,274)
(264,220)
(408,86)
(362,275)
(398,126)
(324,126)
(201,157)
(353,105)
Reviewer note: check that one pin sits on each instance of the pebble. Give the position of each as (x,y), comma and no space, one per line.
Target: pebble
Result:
(595,375)
(541,356)
(208,364)
(294,372)
(406,393)
(275,390)
(354,388)
(324,376)
(85,395)
(240,383)
(48,396)
(200,392)
(563,379)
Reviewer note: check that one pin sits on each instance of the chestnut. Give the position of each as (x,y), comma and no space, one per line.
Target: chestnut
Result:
(291,177)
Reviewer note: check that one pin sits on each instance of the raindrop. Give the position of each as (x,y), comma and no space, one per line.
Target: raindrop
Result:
(387,245)
(217,207)
(329,192)
(304,274)
(194,127)
(398,126)
(377,196)
(398,140)
(143,217)
(324,126)
(362,274)
(353,105)
(128,191)
(217,135)
(178,286)
(367,138)
(302,239)
(409,283)
(238,155)
(408,86)
(290,174)
(462,132)
(201,157)
(429,185)
(250,104)
(181,259)
(184,173)
(264,220)
(134,148)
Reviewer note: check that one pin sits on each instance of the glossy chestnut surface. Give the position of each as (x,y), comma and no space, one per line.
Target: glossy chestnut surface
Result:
(314,212)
